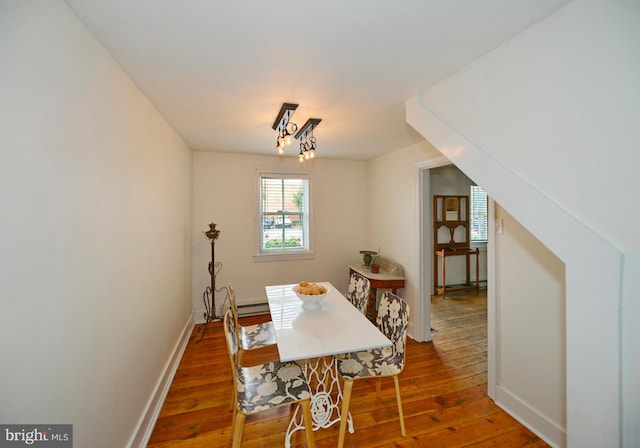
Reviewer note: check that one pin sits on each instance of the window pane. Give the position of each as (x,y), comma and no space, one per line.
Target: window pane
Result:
(284,213)
(478,204)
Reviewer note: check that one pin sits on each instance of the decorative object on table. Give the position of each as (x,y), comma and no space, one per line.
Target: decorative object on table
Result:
(367,256)
(375,266)
(375,262)
(209,295)
(310,294)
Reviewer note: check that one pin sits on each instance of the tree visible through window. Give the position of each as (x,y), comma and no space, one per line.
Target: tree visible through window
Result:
(284,213)
(478,206)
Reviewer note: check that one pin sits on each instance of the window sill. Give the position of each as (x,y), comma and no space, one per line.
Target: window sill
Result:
(283,256)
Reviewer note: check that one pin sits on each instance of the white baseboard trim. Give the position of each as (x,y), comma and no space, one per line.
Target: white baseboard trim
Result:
(147,421)
(529,417)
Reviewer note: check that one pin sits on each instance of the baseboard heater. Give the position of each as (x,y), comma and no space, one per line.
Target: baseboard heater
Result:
(250,309)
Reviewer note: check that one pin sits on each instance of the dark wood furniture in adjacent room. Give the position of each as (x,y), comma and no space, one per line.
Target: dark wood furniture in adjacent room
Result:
(452,237)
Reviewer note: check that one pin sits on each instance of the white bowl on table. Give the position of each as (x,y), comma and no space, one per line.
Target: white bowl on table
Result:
(310,301)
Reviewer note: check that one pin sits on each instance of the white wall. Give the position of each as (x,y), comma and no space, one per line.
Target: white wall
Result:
(225,191)
(393,218)
(95,236)
(531,330)
(552,117)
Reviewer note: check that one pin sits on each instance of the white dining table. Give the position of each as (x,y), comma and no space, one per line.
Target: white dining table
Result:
(316,336)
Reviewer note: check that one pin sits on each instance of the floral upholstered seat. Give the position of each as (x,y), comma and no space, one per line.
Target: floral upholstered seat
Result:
(374,362)
(358,292)
(264,386)
(261,387)
(392,320)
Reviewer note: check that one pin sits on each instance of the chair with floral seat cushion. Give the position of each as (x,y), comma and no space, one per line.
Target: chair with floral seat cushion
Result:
(265,386)
(250,337)
(358,292)
(392,320)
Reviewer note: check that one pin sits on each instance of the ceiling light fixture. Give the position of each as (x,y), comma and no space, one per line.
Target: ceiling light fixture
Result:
(307,140)
(285,128)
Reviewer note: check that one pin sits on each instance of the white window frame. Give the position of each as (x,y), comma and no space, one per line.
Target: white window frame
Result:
(286,253)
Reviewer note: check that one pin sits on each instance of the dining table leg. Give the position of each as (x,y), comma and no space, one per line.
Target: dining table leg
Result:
(326,399)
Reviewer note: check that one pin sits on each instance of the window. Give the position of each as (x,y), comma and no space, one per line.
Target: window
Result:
(284,215)
(478,216)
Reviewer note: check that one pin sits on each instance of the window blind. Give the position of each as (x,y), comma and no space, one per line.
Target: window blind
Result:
(478,210)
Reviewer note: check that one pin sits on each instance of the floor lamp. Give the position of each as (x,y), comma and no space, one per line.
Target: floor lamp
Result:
(209,295)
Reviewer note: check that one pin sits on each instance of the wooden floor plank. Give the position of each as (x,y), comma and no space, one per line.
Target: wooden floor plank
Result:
(443,389)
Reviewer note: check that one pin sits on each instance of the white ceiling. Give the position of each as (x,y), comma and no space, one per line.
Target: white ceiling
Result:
(219,71)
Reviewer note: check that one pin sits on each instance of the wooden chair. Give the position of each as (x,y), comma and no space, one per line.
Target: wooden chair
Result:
(265,386)
(250,337)
(392,320)
(358,292)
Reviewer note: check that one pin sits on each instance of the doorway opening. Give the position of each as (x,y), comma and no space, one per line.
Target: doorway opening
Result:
(440,177)
(426,251)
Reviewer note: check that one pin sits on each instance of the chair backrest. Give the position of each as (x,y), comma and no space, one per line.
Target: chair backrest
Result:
(358,292)
(232,341)
(233,307)
(392,320)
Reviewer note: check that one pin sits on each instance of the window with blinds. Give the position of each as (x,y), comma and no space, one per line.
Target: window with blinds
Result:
(284,213)
(478,221)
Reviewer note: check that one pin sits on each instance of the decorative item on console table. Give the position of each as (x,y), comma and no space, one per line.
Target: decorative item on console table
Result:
(375,265)
(367,257)
(375,262)
(209,295)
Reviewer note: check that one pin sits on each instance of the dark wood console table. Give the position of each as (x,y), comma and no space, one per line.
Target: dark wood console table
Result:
(380,280)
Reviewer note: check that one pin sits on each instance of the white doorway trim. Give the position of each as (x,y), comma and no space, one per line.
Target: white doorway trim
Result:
(425,245)
(492,311)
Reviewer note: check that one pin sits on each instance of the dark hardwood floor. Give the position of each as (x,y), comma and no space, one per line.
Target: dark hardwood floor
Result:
(443,391)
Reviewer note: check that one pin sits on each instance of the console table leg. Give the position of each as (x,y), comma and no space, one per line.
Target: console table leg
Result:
(443,278)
